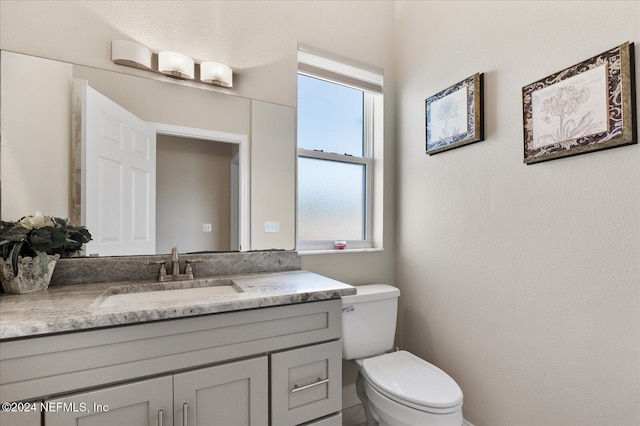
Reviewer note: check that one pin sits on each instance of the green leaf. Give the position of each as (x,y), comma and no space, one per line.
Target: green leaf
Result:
(41,239)
(63,223)
(15,234)
(44,262)
(13,255)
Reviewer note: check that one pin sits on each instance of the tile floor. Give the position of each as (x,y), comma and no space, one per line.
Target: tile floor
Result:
(354,416)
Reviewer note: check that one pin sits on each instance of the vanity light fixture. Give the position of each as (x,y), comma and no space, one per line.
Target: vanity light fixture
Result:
(176,65)
(172,64)
(216,73)
(131,54)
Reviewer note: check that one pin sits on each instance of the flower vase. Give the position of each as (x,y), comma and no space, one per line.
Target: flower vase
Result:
(30,277)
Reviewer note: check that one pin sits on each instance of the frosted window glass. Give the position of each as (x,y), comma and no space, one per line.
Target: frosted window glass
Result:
(330,200)
(330,116)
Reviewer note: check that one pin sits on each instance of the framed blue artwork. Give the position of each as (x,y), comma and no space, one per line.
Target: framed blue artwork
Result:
(454,116)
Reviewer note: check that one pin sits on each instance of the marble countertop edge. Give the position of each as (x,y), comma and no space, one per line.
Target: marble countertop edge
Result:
(69,308)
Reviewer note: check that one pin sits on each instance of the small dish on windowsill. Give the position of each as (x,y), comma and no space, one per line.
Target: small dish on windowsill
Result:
(340,244)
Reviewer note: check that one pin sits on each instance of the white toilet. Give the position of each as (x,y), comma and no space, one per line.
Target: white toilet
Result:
(397,388)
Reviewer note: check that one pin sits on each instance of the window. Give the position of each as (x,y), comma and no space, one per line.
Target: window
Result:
(336,135)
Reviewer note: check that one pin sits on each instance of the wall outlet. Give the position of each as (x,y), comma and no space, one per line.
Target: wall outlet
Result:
(272,227)
(206,227)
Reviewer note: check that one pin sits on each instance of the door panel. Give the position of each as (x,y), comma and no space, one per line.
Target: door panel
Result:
(118,176)
(234,394)
(144,403)
(21,418)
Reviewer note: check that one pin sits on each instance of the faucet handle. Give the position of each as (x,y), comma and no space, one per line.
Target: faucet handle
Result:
(163,270)
(189,269)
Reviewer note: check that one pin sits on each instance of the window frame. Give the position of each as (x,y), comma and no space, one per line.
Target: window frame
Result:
(367,159)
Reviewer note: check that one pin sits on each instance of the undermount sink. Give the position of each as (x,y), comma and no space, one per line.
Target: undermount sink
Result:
(182,292)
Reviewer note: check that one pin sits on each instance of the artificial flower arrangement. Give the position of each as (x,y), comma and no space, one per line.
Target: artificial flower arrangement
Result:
(39,237)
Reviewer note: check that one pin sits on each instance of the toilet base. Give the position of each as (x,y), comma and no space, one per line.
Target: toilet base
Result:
(371,421)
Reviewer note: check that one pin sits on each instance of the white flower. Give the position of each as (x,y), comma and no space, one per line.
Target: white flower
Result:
(36,222)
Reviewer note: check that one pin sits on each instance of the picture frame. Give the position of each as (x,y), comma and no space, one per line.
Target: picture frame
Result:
(587,107)
(455,116)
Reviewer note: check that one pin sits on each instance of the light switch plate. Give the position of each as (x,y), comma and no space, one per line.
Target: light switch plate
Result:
(271,226)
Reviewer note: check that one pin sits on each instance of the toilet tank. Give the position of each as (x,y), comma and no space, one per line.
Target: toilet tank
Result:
(369,320)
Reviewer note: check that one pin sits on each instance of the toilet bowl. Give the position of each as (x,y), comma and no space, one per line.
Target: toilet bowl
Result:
(406,390)
(397,388)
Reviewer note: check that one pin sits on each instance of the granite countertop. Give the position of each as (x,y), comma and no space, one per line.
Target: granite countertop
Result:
(77,307)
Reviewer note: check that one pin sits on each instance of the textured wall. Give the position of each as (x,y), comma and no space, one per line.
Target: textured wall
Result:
(520,281)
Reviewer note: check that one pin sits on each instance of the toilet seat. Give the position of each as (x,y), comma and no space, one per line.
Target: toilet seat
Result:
(412,381)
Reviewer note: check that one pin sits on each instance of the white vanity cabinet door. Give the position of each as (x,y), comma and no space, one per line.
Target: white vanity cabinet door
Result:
(306,383)
(143,403)
(21,418)
(233,394)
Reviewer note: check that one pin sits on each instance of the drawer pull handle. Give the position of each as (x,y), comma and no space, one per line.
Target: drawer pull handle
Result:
(160,413)
(297,388)
(185,415)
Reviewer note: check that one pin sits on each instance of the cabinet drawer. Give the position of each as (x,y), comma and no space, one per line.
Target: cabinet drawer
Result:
(306,383)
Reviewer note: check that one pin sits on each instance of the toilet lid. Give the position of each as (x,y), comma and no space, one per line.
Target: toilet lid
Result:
(412,379)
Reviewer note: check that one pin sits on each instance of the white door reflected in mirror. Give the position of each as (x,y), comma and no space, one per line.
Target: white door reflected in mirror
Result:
(118,176)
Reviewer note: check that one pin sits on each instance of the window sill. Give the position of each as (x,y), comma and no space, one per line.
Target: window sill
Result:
(336,251)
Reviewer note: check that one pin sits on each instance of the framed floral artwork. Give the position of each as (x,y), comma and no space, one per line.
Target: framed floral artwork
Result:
(454,116)
(586,107)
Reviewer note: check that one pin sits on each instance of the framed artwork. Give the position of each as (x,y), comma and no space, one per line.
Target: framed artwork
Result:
(454,116)
(584,108)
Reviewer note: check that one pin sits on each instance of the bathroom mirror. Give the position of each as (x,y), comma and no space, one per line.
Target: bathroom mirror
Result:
(38,172)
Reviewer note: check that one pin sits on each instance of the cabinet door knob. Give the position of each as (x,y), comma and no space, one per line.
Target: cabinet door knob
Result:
(297,388)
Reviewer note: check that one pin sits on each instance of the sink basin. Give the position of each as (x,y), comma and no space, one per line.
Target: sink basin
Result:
(181,292)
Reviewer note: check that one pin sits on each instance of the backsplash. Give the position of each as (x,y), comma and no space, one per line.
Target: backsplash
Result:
(85,270)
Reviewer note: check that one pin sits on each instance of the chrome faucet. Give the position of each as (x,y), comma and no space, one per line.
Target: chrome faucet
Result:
(175,268)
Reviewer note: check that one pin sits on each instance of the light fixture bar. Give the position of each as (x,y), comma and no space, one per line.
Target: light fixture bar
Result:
(173,64)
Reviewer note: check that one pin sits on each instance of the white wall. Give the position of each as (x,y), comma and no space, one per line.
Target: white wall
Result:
(520,281)
(273,154)
(35,177)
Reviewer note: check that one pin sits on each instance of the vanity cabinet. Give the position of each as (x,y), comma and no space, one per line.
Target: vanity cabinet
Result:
(200,397)
(278,366)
